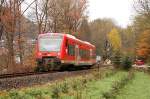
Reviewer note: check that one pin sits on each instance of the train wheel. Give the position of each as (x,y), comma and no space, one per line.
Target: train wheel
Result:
(89,66)
(54,66)
(40,67)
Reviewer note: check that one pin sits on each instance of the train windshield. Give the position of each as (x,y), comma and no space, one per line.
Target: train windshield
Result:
(50,44)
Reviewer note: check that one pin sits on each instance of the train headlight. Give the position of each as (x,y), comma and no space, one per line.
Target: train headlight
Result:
(66,50)
(39,54)
(58,54)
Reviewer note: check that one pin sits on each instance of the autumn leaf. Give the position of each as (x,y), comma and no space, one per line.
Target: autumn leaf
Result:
(143,45)
(115,39)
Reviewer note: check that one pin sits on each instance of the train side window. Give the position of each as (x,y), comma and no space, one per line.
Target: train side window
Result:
(71,50)
(84,53)
(81,53)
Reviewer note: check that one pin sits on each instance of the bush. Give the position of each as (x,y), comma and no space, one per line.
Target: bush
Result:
(56,92)
(116,59)
(76,84)
(14,94)
(117,86)
(64,87)
(126,63)
(35,94)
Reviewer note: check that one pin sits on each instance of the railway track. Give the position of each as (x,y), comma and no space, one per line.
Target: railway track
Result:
(36,79)
(10,81)
(22,74)
(3,76)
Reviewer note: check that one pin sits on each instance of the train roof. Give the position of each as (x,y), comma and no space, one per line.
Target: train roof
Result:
(69,36)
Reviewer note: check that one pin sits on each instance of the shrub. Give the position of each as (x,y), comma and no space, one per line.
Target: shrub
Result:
(14,94)
(35,93)
(56,92)
(64,87)
(117,86)
(97,75)
(116,59)
(76,84)
(108,95)
(126,63)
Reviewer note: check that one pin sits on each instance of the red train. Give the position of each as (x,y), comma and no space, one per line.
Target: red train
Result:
(55,50)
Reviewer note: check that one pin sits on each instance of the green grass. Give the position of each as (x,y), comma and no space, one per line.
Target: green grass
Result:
(90,87)
(70,88)
(138,88)
(33,93)
(95,89)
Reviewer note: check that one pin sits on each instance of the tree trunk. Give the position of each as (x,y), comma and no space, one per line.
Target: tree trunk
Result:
(10,47)
(19,36)
(20,42)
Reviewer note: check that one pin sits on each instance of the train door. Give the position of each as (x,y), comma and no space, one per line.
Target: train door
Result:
(77,58)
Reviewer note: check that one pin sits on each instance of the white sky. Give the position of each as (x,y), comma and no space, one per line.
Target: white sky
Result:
(120,10)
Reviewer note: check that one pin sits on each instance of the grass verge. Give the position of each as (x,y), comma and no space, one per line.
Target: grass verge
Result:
(138,88)
(117,86)
(92,86)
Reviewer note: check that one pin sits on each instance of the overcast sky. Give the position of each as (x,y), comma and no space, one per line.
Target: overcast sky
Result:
(120,10)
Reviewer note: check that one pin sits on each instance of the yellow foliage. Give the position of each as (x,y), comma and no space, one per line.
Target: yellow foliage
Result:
(115,39)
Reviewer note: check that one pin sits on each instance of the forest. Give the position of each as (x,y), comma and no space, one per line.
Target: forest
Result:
(21,22)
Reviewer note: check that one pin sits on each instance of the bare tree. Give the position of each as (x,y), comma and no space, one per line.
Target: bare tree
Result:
(20,16)
(41,12)
(84,31)
(75,15)
(142,7)
(59,15)
(66,16)
(19,26)
(9,19)
(11,23)
(142,19)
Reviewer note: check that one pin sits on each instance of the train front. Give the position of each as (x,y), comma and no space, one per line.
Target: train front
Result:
(48,51)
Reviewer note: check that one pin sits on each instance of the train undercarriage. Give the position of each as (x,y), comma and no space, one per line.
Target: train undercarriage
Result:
(48,64)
